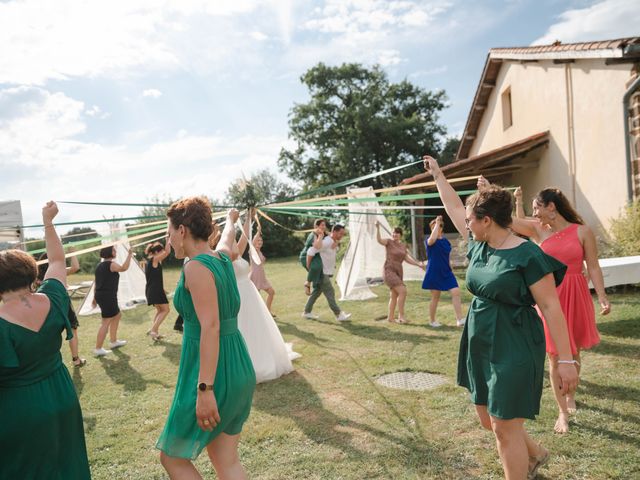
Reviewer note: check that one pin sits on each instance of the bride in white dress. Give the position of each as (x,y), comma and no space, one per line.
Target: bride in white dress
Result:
(270,355)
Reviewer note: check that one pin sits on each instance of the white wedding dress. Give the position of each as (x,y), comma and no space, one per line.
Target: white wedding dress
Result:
(270,355)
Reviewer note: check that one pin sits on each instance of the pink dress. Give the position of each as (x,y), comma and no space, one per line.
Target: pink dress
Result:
(575,299)
(257,275)
(392,271)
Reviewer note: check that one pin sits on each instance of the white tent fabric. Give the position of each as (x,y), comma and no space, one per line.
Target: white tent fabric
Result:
(620,271)
(362,263)
(131,289)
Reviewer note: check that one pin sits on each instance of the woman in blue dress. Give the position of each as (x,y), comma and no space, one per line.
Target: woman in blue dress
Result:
(439,276)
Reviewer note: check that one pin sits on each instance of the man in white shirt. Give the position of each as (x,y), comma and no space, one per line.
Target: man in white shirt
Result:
(328,250)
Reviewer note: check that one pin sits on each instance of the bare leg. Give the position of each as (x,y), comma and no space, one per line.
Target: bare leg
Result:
(402,296)
(512,447)
(270,294)
(162,311)
(562,423)
(179,468)
(571,398)
(456,299)
(113,327)
(433,306)
(223,452)
(102,332)
(393,300)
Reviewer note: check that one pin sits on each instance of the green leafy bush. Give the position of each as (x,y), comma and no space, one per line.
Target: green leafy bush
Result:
(625,231)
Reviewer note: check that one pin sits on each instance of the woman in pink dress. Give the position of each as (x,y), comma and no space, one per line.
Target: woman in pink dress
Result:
(396,254)
(561,233)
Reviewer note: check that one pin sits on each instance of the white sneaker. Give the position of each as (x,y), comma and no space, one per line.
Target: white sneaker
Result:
(118,343)
(310,316)
(460,322)
(343,317)
(435,324)
(101,352)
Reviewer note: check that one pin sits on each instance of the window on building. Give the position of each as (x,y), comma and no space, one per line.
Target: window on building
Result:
(507,117)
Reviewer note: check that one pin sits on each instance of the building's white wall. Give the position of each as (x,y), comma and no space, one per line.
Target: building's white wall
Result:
(539,103)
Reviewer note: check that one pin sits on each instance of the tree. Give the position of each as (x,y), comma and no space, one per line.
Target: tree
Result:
(261,188)
(449,152)
(77,234)
(356,123)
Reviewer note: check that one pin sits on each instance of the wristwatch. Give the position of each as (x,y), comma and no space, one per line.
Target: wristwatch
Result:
(203,387)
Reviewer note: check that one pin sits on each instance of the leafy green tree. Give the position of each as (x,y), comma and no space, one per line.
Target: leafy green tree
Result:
(263,187)
(357,122)
(449,152)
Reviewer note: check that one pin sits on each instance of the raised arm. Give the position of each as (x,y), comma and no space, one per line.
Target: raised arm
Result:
(435,233)
(450,199)
(228,236)
(125,266)
(593,267)
(55,253)
(243,241)
(381,241)
(520,224)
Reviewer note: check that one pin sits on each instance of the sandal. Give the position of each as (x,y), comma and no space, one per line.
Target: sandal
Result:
(156,337)
(539,460)
(81,362)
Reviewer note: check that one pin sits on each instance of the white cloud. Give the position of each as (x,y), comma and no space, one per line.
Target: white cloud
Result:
(604,20)
(429,72)
(39,132)
(259,36)
(152,93)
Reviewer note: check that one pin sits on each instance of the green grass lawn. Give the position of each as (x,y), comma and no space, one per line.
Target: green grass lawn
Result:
(329,420)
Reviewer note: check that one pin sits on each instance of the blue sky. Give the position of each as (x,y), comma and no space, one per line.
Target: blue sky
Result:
(122,100)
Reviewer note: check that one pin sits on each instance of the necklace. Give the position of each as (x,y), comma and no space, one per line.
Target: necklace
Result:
(489,252)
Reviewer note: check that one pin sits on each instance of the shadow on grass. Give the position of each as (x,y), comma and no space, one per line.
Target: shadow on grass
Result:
(294,397)
(611,392)
(77,381)
(121,372)
(611,413)
(171,351)
(387,334)
(606,347)
(291,329)
(629,328)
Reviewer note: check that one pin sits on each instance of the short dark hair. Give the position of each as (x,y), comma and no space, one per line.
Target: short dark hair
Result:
(337,228)
(318,221)
(107,252)
(18,270)
(153,248)
(493,202)
(195,214)
(397,230)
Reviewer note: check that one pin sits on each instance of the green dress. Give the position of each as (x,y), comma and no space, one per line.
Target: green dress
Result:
(502,350)
(314,274)
(235,378)
(41,430)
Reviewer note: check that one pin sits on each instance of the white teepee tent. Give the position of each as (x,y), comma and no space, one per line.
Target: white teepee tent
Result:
(364,259)
(131,289)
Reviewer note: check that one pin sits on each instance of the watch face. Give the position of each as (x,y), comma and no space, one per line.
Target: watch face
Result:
(202,386)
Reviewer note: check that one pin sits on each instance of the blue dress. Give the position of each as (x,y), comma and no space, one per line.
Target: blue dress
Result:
(439,275)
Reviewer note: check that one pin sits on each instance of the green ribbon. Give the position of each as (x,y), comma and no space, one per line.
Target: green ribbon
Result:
(344,183)
(135,204)
(131,233)
(319,213)
(144,217)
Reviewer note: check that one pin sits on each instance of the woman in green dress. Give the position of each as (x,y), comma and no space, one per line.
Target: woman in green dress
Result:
(41,430)
(216,379)
(502,350)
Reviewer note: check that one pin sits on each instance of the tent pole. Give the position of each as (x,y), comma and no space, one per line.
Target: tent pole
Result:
(414,243)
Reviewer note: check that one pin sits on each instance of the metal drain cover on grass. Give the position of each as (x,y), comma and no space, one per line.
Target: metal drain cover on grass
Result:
(411,380)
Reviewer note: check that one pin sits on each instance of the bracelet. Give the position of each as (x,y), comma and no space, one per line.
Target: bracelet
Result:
(569,362)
